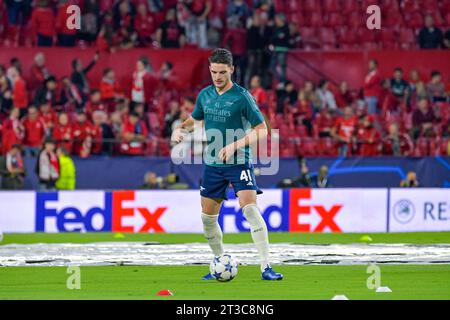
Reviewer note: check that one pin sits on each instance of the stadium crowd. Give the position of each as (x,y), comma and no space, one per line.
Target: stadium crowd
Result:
(407,114)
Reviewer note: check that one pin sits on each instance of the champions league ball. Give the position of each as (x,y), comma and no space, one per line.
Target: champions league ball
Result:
(224,268)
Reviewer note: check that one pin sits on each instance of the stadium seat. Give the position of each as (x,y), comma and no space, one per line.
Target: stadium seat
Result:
(429,5)
(334,19)
(315,20)
(307,147)
(309,37)
(278,4)
(292,6)
(407,39)
(327,38)
(331,5)
(409,6)
(311,5)
(422,147)
(354,20)
(388,38)
(414,20)
(350,6)
(328,147)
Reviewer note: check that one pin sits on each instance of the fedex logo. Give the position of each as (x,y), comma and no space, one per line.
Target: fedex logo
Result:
(294,214)
(116,214)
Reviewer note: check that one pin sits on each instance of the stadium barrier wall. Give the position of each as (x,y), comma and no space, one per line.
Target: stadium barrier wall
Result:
(351,66)
(358,172)
(293,210)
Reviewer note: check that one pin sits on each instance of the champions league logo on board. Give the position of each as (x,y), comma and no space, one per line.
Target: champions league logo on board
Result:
(404,211)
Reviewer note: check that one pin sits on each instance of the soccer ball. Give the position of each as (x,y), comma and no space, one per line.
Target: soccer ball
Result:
(224,268)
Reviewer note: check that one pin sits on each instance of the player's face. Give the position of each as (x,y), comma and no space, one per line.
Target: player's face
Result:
(220,74)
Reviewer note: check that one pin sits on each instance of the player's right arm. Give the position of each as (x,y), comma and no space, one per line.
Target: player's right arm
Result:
(188,124)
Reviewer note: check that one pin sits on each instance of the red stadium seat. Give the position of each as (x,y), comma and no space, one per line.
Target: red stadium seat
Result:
(331,5)
(354,20)
(278,4)
(346,37)
(407,38)
(309,36)
(311,5)
(334,19)
(328,147)
(388,38)
(409,6)
(414,20)
(307,147)
(292,6)
(422,147)
(315,20)
(350,6)
(429,5)
(327,38)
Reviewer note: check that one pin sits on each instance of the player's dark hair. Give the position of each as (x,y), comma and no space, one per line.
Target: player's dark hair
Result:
(222,56)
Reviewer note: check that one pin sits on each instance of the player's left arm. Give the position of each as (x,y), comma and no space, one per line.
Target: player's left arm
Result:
(259,129)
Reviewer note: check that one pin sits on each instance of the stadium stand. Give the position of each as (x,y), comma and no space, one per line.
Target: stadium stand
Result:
(115,27)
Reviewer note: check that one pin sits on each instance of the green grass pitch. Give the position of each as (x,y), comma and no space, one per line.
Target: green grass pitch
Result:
(301,282)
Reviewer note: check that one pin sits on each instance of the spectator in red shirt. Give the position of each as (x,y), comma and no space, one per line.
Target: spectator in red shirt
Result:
(63,133)
(66,36)
(134,135)
(100,131)
(368,138)
(38,73)
(19,90)
(344,131)
(82,135)
(343,96)
(95,103)
(12,131)
(43,23)
(110,89)
(396,143)
(324,123)
(145,26)
(424,120)
(372,87)
(34,132)
(258,92)
(48,117)
(235,39)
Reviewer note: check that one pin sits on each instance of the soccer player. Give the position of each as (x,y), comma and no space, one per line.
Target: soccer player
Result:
(225,106)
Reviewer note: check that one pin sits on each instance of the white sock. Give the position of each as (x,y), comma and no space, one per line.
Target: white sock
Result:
(213,233)
(259,233)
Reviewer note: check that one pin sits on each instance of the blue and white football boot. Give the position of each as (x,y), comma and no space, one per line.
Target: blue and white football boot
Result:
(269,274)
(209,276)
